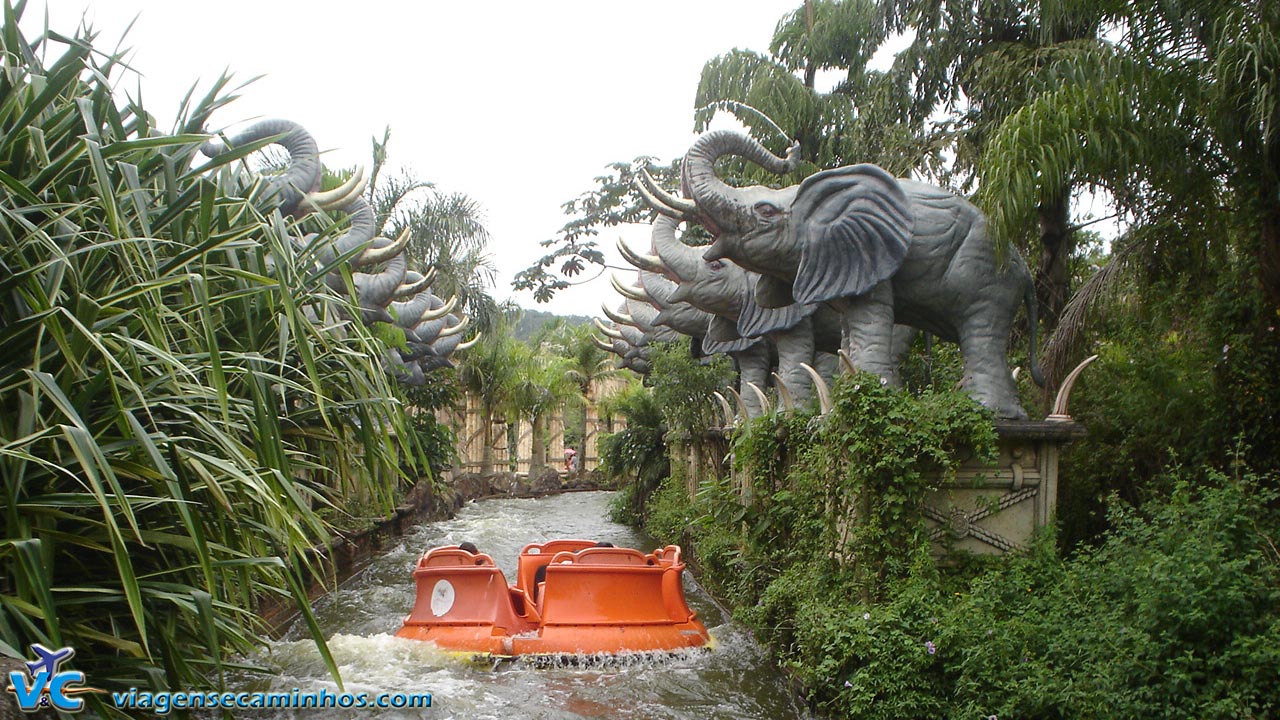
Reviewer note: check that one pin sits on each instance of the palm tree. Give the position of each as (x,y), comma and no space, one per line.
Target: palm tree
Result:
(446,233)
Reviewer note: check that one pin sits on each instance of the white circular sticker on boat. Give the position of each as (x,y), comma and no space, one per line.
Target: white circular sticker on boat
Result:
(441,598)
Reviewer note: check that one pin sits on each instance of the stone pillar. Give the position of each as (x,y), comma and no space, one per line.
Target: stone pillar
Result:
(996,508)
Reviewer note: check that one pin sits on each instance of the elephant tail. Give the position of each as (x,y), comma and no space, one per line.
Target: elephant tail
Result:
(1033,323)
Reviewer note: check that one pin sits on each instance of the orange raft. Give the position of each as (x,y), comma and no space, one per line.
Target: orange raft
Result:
(570,597)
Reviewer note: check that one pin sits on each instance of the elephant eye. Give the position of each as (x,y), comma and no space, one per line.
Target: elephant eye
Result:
(767,210)
(715,264)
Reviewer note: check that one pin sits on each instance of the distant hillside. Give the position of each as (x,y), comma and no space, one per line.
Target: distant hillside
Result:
(531,321)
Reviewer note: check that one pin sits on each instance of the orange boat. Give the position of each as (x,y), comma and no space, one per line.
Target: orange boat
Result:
(570,597)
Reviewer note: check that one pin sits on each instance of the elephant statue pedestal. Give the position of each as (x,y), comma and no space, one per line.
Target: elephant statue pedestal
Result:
(994,508)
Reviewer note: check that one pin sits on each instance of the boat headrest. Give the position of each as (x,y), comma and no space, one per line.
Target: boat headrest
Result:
(452,557)
(610,556)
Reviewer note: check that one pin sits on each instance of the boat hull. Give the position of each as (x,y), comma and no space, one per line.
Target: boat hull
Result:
(571,598)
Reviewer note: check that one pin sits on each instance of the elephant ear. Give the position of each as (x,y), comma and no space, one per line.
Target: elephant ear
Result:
(754,320)
(711,347)
(772,292)
(853,226)
(721,330)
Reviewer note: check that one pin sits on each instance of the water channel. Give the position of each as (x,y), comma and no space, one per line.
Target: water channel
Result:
(734,680)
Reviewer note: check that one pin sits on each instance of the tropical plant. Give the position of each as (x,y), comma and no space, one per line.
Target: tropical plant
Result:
(171,415)
(446,233)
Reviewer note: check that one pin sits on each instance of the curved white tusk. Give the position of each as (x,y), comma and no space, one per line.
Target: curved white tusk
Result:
(1015,373)
(729,419)
(456,329)
(413,287)
(765,405)
(784,393)
(428,315)
(607,347)
(655,203)
(847,363)
(679,204)
(627,291)
(1059,413)
(610,332)
(374,255)
(824,391)
(340,196)
(619,317)
(742,406)
(652,263)
(469,343)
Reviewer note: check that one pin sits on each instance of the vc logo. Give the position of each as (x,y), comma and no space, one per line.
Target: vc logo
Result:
(43,685)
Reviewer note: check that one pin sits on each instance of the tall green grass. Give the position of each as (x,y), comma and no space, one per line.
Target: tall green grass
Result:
(171,413)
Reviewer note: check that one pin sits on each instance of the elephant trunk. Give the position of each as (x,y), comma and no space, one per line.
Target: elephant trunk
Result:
(303,174)
(724,208)
(657,289)
(363,228)
(680,260)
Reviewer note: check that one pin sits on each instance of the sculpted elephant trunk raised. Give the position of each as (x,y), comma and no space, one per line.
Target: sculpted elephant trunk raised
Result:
(721,207)
(303,174)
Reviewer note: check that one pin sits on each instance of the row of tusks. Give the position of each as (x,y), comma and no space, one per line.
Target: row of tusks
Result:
(1059,413)
(339,198)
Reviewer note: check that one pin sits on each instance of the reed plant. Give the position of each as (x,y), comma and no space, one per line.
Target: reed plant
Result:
(174,406)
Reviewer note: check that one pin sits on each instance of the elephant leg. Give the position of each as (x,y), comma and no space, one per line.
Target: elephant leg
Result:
(984,344)
(903,336)
(753,367)
(868,332)
(795,346)
(827,365)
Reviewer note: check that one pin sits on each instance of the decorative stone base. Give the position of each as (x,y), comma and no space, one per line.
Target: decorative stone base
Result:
(996,508)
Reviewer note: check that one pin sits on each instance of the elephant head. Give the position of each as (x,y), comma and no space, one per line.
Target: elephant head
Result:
(838,233)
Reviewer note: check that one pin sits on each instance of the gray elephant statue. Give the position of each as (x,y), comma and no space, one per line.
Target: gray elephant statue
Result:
(879,249)
(380,276)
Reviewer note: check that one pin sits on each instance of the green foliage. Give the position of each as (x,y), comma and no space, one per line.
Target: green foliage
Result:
(683,387)
(171,415)
(637,454)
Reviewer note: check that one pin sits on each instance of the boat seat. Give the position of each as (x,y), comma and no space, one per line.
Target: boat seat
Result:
(610,556)
(452,557)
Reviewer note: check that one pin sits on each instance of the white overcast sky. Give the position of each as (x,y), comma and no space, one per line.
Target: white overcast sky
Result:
(517,104)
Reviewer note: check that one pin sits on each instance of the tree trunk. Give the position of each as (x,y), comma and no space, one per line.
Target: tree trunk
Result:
(486,450)
(1053,272)
(1269,253)
(537,443)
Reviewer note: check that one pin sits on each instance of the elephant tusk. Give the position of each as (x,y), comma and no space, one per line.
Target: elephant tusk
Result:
(686,208)
(374,255)
(1015,373)
(607,347)
(456,329)
(784,393)
(847,362)
(415,282)
(619,317)
(1059,413)
(428,315)
(729,419)
(469,343)
(339,197)
(742,406)
(652,263)
(657,204)
(627,291)
(765,405)
(610,332)
(824,391)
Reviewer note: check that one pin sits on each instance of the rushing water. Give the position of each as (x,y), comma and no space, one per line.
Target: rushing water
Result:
(736,679)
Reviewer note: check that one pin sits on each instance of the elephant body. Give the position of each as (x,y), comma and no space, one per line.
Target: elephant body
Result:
(879,250)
